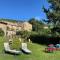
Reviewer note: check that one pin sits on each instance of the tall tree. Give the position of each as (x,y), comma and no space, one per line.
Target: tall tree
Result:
(53,14)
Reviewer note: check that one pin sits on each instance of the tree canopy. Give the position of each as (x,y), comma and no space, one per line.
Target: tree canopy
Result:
(53,14)
(36,24)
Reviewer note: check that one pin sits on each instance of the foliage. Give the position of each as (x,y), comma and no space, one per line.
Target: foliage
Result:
(44,32)
(9,20)
(1,32)
(15,44)
(36,25)
(11,29)
(53,14)
(23,34)
(44,39)
(18,32)
(38,28)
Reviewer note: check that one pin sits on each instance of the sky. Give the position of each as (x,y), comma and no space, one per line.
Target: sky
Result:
(22,9)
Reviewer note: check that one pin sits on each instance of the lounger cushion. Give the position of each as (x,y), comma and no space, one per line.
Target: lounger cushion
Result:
(25,49)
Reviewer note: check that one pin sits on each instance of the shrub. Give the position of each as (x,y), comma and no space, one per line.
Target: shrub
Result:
(15,44)
(44,39)
(1,32)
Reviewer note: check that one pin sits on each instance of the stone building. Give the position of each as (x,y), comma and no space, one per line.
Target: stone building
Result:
(25,26)
(3,26)
(9,26)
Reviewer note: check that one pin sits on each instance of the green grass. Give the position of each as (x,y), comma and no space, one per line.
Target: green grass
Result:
(37,53)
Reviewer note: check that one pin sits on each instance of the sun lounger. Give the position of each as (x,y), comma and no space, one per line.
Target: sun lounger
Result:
(8,50)
(25,49)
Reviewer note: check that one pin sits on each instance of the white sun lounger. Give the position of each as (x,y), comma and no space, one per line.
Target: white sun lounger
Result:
(25,49)
(7,49)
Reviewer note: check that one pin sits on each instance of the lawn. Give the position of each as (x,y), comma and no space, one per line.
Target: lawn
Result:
(37,53)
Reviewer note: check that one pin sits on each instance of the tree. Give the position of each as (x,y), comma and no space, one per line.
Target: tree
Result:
(53,14)
(36,25)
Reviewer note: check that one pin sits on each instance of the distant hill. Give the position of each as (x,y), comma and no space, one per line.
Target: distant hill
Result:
(9,20)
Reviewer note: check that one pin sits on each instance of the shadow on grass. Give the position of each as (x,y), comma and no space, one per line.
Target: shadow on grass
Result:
(24,52)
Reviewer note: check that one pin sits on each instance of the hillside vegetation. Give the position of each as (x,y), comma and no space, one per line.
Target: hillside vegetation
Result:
(9,20)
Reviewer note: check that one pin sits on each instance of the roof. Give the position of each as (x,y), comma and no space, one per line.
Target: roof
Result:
(3,23)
